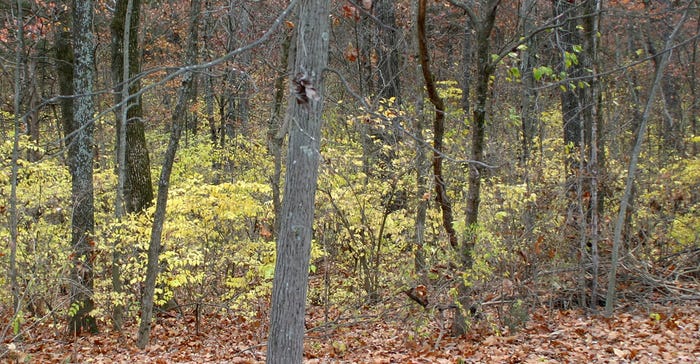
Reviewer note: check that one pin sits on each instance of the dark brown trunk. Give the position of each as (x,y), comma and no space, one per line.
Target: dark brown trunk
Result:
(438,127)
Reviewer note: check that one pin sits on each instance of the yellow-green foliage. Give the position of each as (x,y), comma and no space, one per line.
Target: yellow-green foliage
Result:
(44,217)
(209,238)
(668,208)
(353,223)
(43,206)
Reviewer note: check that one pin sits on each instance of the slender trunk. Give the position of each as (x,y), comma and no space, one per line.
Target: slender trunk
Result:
(591,27)
(572,117)
(14,214)
(33,96)
(694,113)
(185,93)
(467,55)
(277,130)
(632,169)
(118,313)
(126,64)
(529,116)
(209,78)
(438,127)
(527,62)
(483,24)
(422,166)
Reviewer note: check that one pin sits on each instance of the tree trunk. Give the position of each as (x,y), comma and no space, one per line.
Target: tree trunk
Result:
(591,29)
(236,105)
(483,23)
(670,130)
(209,78)
(572,116)
(123,13)
(138,188)
(14,213)
(185,93)
(632,169)
(277,130)
(387,50)
(289,287)
(694,112)
(80,163)
(438,127)
(33,94)
(422,166)
(528,114)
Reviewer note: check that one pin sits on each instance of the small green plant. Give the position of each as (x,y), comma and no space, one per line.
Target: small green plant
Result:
(517,316)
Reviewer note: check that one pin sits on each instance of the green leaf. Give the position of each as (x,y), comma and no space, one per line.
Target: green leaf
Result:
(538,72)
(515,72)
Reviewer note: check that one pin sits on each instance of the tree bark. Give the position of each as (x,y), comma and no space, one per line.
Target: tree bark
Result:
(289,287)
(209,78)
(438,127)
(632,169)
(528,115)
(591,24)
(14,213)
(388,55)
(80,162)
(694,112)
(277,130)
(123,11)
(138,188)
(185,93)
(483,21)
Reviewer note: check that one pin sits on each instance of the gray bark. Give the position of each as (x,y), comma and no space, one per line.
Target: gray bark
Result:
(528,113)
(591,23)
(80,162)
(388,53)
(632,169)
(483,20)
(277,130)
(286,339)
(14,214)
(122,121)
(185,93)
(138,188)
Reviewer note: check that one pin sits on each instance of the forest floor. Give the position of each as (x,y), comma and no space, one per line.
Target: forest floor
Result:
(405,334)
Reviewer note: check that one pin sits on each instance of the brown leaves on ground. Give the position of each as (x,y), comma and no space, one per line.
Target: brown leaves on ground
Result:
(653,335)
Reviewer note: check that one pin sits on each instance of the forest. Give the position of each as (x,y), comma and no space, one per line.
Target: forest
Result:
(349,181)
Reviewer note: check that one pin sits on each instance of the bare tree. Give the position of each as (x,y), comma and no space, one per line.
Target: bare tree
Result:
(483,18)
(438,128)
(14,214)
(632,169)
(185,94)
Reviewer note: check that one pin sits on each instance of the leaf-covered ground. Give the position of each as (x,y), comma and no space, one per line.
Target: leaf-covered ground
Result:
(654,334)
